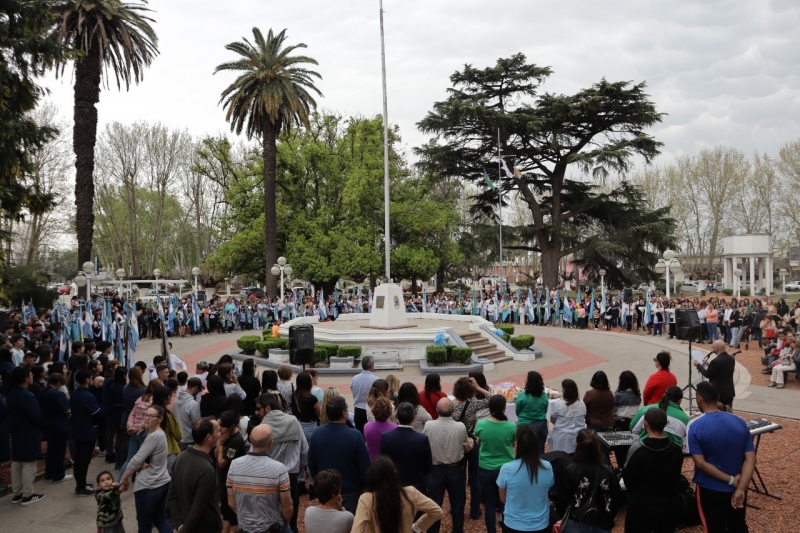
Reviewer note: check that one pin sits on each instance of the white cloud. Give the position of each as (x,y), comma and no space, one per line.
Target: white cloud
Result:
(724,71)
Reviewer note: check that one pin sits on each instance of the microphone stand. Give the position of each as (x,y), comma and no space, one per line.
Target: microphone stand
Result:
(690,386)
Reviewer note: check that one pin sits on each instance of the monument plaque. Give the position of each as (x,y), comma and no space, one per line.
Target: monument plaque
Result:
(379,302)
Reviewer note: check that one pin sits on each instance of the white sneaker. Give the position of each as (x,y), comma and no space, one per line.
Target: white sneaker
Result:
(67,477)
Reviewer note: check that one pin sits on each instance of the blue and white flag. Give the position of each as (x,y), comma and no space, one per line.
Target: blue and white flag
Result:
(322,314)
(591,307)
(567,310)
(546,304)
(196,313)
(164,341)
(647,317)
(530,305)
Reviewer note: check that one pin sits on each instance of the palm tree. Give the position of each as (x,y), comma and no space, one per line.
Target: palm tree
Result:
(272,92)
(100,33)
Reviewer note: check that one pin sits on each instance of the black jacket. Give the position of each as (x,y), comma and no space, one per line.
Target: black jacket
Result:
(652,472)
(581,478)
(411,453)
(193,498)
(720,374)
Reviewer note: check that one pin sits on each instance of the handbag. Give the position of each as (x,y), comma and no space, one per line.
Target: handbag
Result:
(585,510)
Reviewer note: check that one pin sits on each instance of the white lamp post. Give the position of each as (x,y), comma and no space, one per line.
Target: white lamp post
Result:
(738,274)
(668,256)
(88,269)
(280,268)
(783,282)
(80,280)
(121,276)
(227,287)
(195,273)
(602,283)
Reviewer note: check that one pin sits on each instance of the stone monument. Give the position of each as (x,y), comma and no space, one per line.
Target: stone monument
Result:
(388,308)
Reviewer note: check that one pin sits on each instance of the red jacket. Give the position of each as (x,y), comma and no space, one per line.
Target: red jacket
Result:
(657,385)
(430,403)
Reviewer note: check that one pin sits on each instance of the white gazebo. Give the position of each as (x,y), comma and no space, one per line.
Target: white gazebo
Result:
(753,252)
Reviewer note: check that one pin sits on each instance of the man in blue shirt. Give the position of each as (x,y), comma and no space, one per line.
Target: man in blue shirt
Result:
(722,449)
(83,422)
(337,447)
(360,386)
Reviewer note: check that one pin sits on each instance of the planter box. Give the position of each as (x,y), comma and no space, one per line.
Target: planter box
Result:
(279,356)
(528,355)
(341,363)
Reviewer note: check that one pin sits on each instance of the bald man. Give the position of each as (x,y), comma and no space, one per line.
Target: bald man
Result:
(719,373)
(258,486)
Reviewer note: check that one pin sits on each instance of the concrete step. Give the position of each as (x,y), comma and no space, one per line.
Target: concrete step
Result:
(477,342)
(466,337)
(496,357)
(483,350)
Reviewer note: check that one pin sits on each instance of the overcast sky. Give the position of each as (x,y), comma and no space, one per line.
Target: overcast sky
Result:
(725,71)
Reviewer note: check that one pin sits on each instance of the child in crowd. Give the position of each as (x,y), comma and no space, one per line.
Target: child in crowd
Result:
(109,504)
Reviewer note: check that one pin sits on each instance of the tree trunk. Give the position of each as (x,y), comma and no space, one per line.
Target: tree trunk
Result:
(87,94)
(440,279)
(550,259)
(269,153)
(414,285)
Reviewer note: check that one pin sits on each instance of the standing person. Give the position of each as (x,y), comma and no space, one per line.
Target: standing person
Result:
(431,394)
(227,373)
(336,446)
(568,417)
(113,410)
(193,496)
(305,406)
(409,393)
(109,504)
(329,516)
(24,418)
(132,392)
(627,399)
(593,488)
(448,443)
(652,477)
(381,410)
(410,451)
(388,507)
(360,386)
(497,436)
(658,383)
(152,483)
(187,411)
(258,487)
(55,428)
(531,406)
(230,447)
(719,372)
(83,422)
(214,402)
(289,446)
(722,449)
(285,386)
(524,484)
(250,385)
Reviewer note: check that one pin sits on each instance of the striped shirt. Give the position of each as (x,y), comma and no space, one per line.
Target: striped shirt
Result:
(447,438)
(257,481)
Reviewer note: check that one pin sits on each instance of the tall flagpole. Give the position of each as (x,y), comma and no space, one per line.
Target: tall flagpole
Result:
(500,202)
(387,241)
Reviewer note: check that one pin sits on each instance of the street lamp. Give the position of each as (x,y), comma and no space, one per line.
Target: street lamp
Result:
(227,287)
(280,268)
(88,269)
(738,273)
(668,256)
(783,282)
(195,273)
(602,283)
(156,274)
(121,276)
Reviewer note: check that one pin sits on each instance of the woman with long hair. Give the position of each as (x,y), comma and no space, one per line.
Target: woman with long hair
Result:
(161,397)
(409,393)
(214,402)
(285,386)
(627,400)
(305,405)
(531,406)
(599,401)
(225,371)
(389,507)
(593,488)
(480,380)
(523,485)
(394,386)
(269,385)
(152,483)
(250,385)
(568,417)
(330,392)
(496,436)
(380,389)
(431,394)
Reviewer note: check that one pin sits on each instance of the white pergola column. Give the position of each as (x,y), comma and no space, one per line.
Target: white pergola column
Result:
(753,290)
(726,271)
(762,273)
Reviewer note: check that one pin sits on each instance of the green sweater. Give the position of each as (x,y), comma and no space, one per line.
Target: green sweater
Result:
(677,422)
(529,408)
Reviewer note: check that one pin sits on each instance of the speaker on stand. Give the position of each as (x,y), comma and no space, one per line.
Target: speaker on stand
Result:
(301,345)
(687,327)
(628,296)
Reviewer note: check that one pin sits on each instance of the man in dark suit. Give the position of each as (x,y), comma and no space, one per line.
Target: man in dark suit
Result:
(719,373)
(410,451)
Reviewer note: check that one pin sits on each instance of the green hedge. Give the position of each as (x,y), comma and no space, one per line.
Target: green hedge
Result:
(727,292)
(460,355)
(272,344)
(349,351)
(323,352)
(744,292)
(267,334)
(436,355)
(522,342)
(507,337)
(507,328)
(248,343)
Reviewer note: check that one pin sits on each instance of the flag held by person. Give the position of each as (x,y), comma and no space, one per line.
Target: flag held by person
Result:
(487,181)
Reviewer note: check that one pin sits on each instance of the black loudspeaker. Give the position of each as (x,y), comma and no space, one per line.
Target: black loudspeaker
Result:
(687,324)
(628,296)
(301,344)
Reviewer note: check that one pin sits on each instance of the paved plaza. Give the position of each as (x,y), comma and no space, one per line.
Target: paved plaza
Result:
(566,353)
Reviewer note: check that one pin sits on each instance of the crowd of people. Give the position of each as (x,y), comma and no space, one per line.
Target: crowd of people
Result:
(226,449)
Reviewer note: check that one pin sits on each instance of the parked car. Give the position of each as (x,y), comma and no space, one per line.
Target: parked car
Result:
(792,287)
(689,286)
(643,287)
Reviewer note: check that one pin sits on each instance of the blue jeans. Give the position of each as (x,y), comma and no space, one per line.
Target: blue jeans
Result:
(712,331)
(577,527)
(491,497)
(133,446)
(470,466)
(540,427)
(734,341)
(151,509)
(451,479)
(308,430)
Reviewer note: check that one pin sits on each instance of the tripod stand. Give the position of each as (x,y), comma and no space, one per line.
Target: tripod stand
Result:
(690,386)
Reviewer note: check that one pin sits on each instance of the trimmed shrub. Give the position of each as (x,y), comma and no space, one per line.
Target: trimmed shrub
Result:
(522,342)
(745,292)
(267,334)
(349,351)
(460,355)
(727,292)
(436,355)
(507,337)
(449,349)
(272,344)
(248,343)
(323,352)
(508,328)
